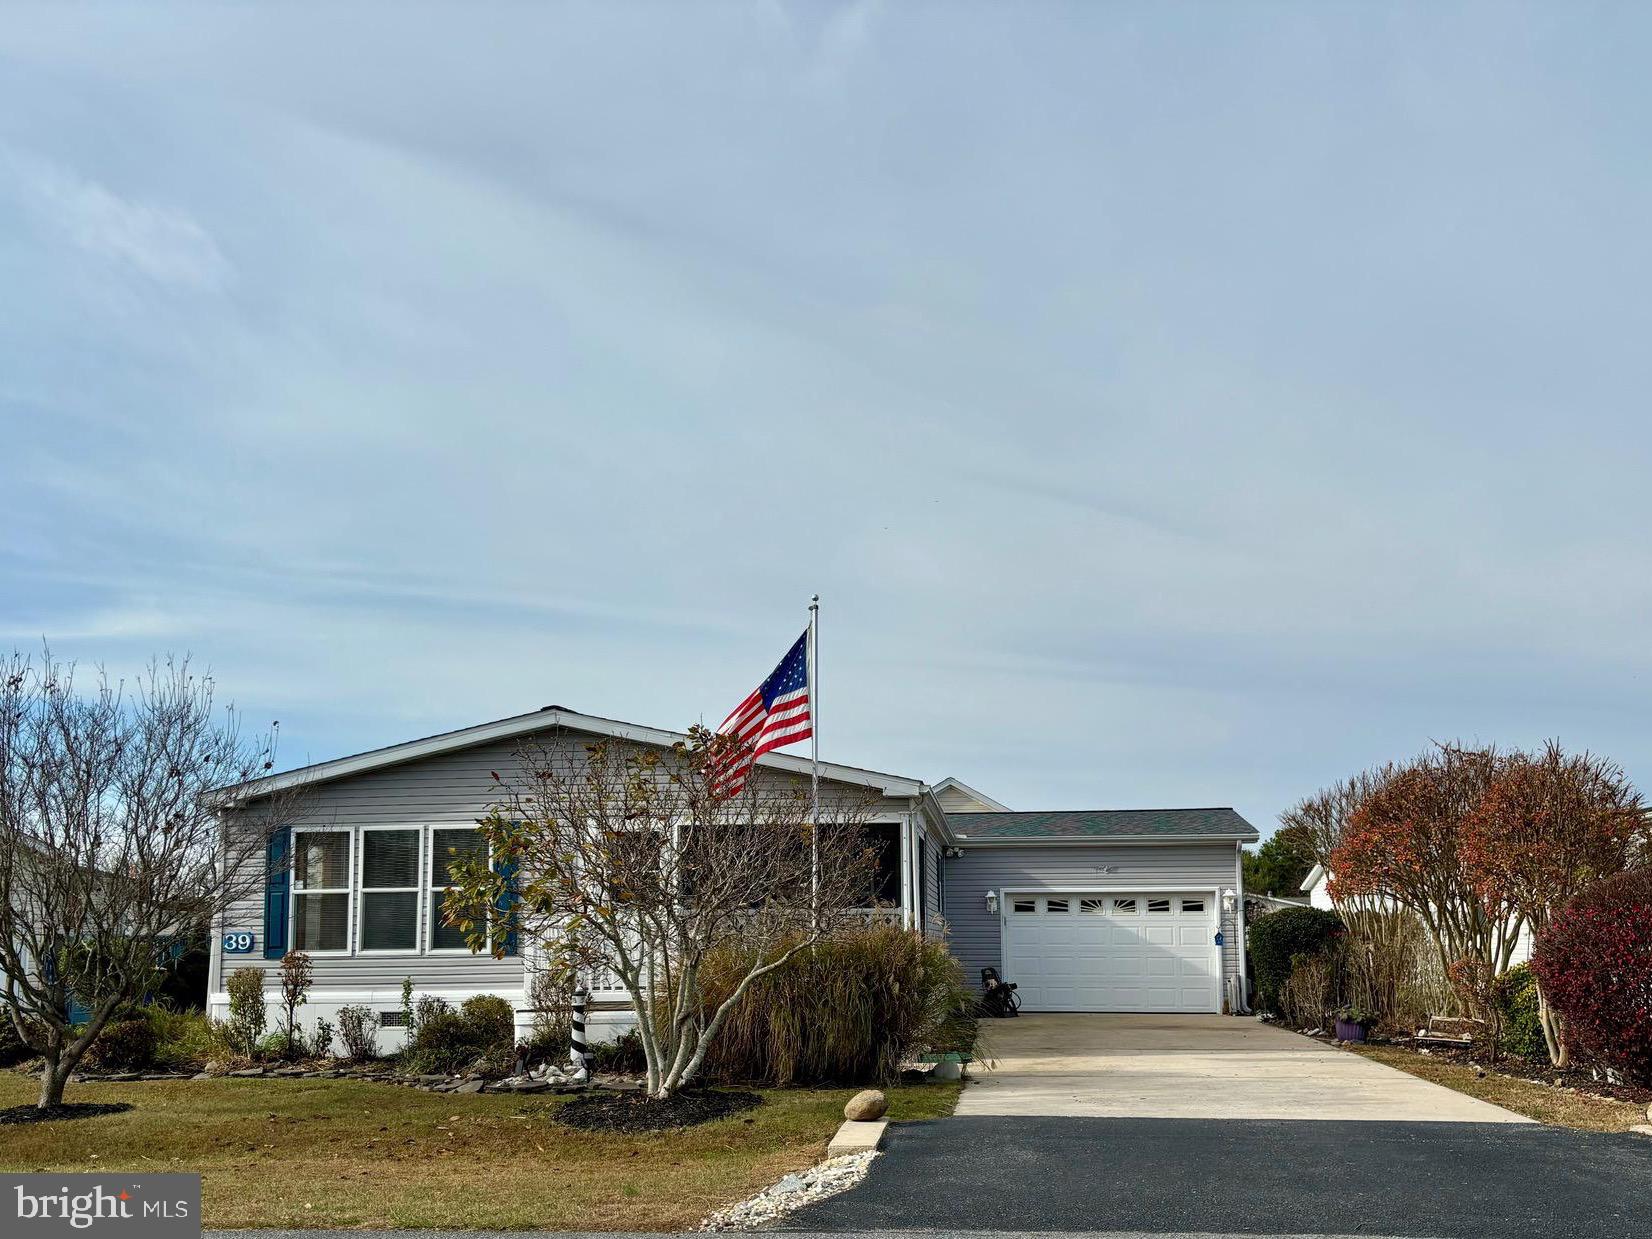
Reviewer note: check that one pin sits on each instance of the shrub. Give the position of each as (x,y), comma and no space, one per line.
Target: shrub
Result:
(127,1044)
(13,1050)
(1388,967)
(1594,962)
(186,1038)
(481,1034)
(358,1029)
(296,978)
(246,1008)
(1516,998)
(621,1056)
(1306,997)
(849,1010)
(1278,938)
(321,1039)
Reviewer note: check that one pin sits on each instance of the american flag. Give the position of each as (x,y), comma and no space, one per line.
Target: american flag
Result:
(776,713)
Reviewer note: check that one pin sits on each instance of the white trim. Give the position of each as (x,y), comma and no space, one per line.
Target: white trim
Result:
(348,891)
(958,785)
(525,724)
(1046,841)
(417,891)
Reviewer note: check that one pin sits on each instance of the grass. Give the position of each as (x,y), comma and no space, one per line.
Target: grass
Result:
(1557,1106)
(350,1153)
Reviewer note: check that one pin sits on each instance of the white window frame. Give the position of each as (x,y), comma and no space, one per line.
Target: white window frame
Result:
(421,891)
(348,891)
(433,892)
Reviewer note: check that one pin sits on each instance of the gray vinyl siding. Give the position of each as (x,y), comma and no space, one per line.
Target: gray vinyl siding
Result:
(450,789)
(975,932)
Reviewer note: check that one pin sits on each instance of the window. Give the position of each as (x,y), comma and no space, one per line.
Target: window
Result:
(321,891)
(1124,907)
(1025,905)
(1158,905)
(884,838)
(1056,905)
(1092,906)
(389,913)
(446,846)
(1193,905)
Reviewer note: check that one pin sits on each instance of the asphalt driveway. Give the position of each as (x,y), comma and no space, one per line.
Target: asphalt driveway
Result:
(1248,1176)
(1204,1125)
(1198,1067)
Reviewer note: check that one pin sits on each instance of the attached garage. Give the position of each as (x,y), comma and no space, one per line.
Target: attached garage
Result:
(1101,909)
(1116,951)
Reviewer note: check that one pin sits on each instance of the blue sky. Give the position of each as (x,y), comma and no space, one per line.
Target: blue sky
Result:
(1173,404)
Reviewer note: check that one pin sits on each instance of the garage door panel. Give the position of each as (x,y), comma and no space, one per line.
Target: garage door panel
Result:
(1150,951)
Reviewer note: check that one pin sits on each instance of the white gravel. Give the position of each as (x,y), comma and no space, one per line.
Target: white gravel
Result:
(837,1174)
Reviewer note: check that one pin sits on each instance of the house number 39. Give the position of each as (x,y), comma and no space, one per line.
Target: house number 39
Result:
(237,943)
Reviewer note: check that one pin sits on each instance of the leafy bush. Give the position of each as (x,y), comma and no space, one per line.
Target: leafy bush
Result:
(425,1009)
(848,1011)
(358,1029)
(321,1039)
(1516,997)
(480,1035)
(1278,938)
(125,1044)
(621,1056)
(187,1038)
(1594,962)
(246,1008)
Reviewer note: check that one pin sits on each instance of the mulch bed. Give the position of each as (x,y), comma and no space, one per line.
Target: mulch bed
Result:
(68,1110)
(1583,1079)
(636,1112)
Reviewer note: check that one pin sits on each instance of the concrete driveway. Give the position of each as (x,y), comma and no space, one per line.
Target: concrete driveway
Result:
(1192,1067)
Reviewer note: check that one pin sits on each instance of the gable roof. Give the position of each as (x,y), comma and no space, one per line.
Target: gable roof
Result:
(961,789)
(525,724)
(1102,825)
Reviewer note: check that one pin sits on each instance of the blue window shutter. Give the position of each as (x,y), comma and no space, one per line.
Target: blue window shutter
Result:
(507,900)
(275,895)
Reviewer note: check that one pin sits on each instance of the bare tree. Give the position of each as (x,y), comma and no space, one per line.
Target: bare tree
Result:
(110,846)
(613,857)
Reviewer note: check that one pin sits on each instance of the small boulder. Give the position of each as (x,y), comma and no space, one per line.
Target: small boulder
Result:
(866,1106)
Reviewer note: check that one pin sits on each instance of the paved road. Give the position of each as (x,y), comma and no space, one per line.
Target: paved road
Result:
(1196,1066)
(1171,1176)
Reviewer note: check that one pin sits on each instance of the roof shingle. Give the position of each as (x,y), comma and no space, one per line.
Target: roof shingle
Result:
(1081,824)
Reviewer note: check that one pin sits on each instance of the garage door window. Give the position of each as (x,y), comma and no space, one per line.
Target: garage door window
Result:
(1158,905)
(1092,906)
(1124,907)
(1056,905)
(1026,905)
(1193,905)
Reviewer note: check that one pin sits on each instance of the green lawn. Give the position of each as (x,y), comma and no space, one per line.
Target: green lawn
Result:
(347,1153)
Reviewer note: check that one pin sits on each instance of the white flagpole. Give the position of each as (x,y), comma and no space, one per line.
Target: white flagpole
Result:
(814,757)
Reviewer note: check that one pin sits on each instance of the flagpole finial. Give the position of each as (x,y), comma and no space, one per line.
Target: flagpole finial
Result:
(814,602)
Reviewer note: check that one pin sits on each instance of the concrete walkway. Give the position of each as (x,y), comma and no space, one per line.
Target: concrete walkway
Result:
(1195,1066)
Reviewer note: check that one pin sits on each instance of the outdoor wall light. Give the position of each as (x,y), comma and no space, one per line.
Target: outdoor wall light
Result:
(992,902)
(1230,899)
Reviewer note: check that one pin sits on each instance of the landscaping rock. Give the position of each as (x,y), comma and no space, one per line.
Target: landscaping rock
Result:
(529,1086)
(471,1086)
(124,1077)
(248,1072)
(791,1193)
(201,1075)
(866,1106)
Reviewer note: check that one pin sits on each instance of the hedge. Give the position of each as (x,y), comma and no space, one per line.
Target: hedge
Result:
(1278,937)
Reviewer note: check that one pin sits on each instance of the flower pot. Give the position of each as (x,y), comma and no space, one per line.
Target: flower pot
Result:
(1347,1030)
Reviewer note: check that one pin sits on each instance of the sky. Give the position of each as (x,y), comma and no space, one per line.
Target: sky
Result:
(1172,404)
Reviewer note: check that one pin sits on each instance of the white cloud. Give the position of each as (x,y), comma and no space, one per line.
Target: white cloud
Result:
(161,243)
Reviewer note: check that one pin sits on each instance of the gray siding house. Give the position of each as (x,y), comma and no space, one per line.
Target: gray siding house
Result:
(1084,911)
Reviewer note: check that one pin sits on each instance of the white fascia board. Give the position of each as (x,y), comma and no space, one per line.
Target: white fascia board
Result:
(525,724)
(959,785)
(1100,841)
(1312,880)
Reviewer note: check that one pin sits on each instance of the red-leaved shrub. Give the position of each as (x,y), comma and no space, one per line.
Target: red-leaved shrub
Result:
(1594,963)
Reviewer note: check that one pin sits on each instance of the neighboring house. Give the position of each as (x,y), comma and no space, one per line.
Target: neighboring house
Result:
(1317,886)
(1086,911)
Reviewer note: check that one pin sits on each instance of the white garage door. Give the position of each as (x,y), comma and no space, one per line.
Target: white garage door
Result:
(1132,952)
